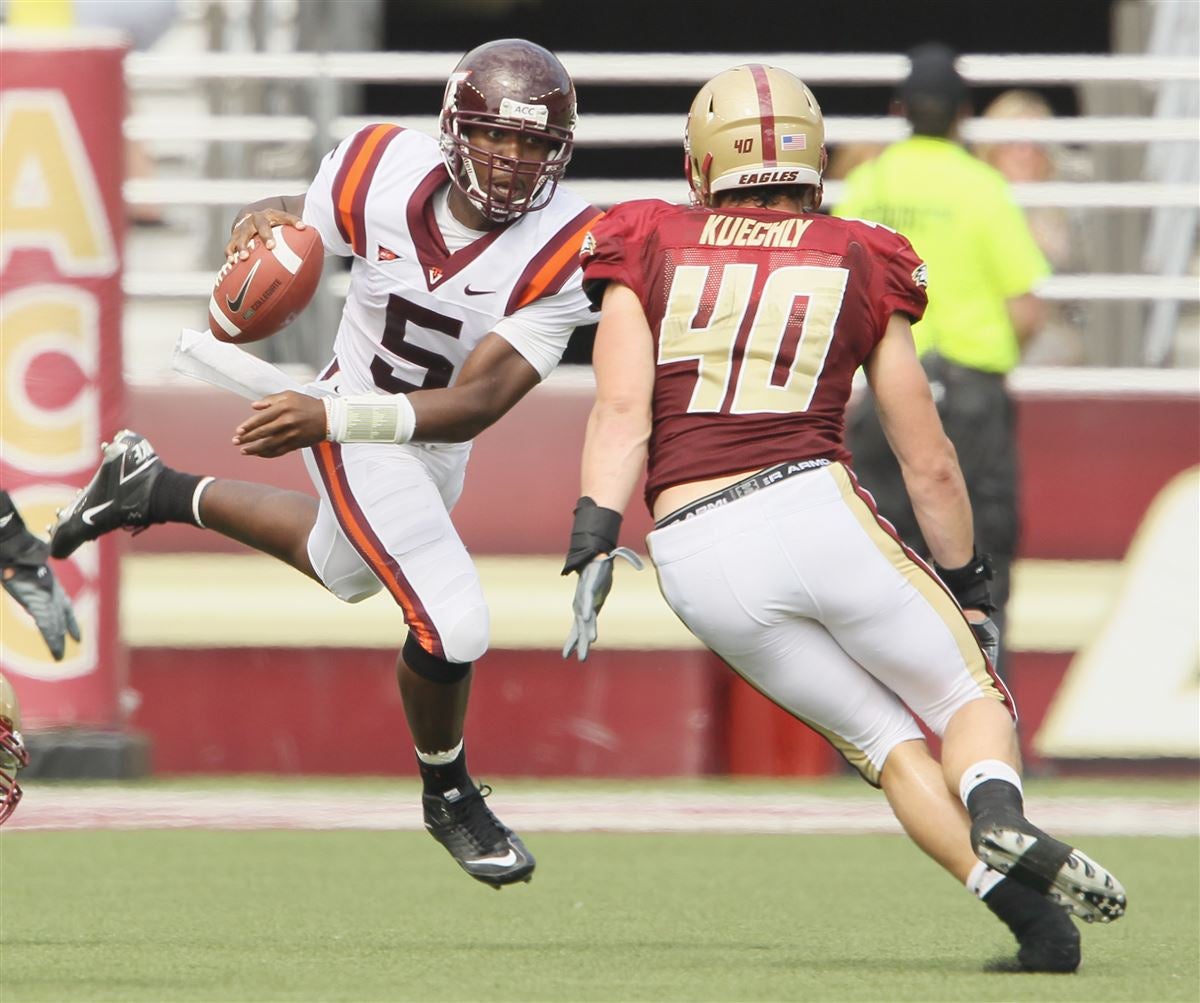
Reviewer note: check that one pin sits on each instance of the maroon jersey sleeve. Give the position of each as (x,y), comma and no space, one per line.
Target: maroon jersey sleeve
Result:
(617,248)
(898,280)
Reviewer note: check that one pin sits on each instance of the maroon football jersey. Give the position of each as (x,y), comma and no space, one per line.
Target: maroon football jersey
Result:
(760,319)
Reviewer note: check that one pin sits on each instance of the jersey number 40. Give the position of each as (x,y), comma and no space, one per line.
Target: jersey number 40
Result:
(773,346)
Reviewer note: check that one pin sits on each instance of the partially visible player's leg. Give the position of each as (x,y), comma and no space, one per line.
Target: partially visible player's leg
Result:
(132,489)
(937,822)
(390,506)
(271,520)
(795,662)
(903,627)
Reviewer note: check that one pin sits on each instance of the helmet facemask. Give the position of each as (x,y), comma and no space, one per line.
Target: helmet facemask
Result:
(13,757)
(521,88)
(467,161)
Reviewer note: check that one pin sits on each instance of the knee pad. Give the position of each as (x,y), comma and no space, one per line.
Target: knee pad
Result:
(467,638)
(431,667)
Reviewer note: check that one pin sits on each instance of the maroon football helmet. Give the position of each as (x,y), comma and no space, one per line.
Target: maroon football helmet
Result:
(13,756)
(520,87)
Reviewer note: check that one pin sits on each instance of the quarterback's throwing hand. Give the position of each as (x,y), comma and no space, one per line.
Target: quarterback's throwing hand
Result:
(281,423)
(595,581)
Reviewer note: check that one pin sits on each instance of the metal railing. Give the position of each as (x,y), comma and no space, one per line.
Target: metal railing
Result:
(320,77)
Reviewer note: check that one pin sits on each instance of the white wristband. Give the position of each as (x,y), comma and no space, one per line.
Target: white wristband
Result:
(369,418)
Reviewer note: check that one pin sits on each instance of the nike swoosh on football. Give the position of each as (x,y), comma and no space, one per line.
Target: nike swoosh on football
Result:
(235,304)
(508,858)
(137,470)
(478,292)
(88,513)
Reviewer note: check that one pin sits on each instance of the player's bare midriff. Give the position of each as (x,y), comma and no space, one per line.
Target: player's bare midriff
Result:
(678,495)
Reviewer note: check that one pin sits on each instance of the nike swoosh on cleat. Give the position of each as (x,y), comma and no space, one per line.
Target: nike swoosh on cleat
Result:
(478,292)
(508,858)
(137,470)
(7,519)
(235,304)
(94,510)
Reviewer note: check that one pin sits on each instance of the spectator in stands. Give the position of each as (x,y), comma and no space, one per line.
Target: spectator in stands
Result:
(28,579)
(1059,341)
(983,265)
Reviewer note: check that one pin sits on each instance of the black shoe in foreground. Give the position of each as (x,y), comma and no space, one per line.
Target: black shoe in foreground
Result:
(1048,938)
(485,849)
(117,496)
(1066,876)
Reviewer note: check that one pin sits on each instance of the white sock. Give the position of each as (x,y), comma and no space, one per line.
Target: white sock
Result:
(440,758)
(982,772)
(982,880)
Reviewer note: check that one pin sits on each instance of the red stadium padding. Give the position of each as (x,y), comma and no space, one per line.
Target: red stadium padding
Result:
(623,714)
(337,711)
(1091,464)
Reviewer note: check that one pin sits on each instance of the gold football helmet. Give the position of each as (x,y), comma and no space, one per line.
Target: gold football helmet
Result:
(753,125)
(12,750)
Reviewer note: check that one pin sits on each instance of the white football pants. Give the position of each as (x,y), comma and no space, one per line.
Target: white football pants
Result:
(810,598)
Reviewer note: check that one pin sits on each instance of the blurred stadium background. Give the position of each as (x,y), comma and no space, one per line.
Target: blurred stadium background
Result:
(200,658)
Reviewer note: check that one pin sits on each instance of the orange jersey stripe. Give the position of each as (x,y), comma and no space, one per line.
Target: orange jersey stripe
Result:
(551,268)
(325,457)
(345,203)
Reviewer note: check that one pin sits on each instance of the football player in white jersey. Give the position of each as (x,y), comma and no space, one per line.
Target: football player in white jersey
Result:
(464,290)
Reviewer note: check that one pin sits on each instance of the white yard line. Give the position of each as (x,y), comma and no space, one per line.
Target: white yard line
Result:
(47,808)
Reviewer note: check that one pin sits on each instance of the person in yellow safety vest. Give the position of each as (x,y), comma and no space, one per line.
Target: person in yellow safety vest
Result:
(983,266)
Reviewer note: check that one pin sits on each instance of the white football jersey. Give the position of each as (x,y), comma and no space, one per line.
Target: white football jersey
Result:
(415,308)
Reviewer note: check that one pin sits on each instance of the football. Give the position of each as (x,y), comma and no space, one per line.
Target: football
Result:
(260,295)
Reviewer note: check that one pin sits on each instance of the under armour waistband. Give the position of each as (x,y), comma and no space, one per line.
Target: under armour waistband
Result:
(740,489)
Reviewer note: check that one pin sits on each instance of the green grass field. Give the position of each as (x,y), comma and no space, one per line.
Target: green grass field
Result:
(359,915)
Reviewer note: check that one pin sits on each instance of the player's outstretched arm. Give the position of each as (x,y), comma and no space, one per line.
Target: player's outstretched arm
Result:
(254,222)
(614,454)
(494,377)
(28,579)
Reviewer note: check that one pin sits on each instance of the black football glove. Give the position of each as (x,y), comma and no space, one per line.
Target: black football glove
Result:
(969,585)
(29,580)
(594,531)
(595,582)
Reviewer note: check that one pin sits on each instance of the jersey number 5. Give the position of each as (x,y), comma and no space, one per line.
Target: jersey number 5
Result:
(780,339)
(438,369)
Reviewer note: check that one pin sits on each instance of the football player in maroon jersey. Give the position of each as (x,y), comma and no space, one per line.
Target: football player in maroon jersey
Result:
(729,335)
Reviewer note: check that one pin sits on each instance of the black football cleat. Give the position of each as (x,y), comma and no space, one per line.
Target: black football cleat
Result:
(117,496)
(487,850)
(1047,937)
(1066,876)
